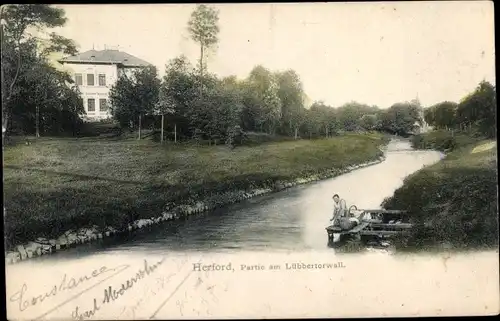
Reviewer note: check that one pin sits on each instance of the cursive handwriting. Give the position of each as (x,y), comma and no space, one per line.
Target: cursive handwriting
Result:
(25,301)
(111,294)
(149,293)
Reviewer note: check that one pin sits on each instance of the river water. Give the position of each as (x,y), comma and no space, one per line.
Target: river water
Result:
(276,264)
(290,220)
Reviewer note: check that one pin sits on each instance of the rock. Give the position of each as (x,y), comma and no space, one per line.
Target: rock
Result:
(13,257)
(74,238)
(62,240)
(52,242)
(34,248)
(42,240)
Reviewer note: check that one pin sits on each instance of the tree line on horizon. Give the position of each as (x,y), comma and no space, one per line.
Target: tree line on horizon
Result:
(38,98)
(475,112)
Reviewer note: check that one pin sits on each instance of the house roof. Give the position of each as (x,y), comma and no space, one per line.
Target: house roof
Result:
(106,57)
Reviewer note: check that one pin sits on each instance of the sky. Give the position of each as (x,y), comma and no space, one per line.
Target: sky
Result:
(375,53)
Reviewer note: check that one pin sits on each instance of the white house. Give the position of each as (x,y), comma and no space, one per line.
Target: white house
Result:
(95,72)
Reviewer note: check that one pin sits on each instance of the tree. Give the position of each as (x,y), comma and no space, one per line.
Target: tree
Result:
(368,122)
(442,115)
(479,109)
(291,94)
(401,118)
(203,28)
(17,22)
(350,114)
(178,88)
(324,118)
(165,105)
(133,97)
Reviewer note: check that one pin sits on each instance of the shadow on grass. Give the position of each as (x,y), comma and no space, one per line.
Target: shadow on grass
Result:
(77,176)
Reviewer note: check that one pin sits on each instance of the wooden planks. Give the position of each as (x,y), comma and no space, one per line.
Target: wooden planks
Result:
(379,211)
(398,226)
(358,228)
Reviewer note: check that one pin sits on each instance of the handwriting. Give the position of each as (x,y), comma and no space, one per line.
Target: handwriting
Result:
(111,294)
(130,311)
(25,302)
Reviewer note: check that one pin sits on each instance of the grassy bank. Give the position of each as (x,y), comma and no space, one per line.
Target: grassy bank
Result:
(444,140)
(453,202)
(58,184)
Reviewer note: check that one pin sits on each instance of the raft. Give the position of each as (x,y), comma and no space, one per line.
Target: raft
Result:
(372,223)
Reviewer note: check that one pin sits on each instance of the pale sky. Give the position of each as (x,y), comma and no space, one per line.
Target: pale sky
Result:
(374,53)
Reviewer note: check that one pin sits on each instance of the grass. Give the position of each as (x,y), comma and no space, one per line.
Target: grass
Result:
(453,202)
(56,184)
(444,140)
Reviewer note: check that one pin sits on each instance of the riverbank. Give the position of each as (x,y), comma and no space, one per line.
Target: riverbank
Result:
(454,202)
(61,192)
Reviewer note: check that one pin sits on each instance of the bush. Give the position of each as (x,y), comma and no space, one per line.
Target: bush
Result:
(443,140)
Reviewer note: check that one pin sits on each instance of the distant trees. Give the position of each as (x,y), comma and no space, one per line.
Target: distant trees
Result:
(476,111)
(36,97)
(369,122)
(442,115)
(401,118)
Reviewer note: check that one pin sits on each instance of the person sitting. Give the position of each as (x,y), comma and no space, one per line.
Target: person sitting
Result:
(341,216)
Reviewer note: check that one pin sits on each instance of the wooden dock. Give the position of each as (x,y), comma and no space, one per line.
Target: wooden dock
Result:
(386,224)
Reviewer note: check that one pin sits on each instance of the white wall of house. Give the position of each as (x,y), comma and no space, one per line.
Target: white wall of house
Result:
(95,95)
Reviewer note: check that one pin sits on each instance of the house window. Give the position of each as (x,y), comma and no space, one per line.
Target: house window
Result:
(102,80)
(90,79)
(91,104)
(103,104)
(79,79)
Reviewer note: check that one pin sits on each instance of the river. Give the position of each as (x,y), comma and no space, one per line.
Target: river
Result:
(268,258)
(290,220)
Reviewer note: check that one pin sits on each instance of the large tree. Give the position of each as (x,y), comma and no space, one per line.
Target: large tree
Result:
(26,45)
(203,27)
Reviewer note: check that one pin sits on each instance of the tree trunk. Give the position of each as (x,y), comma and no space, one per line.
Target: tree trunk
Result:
(6,111)
(139,127)
(296,134)
(37,121)
(162,121)
(201,70)
(175,133)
